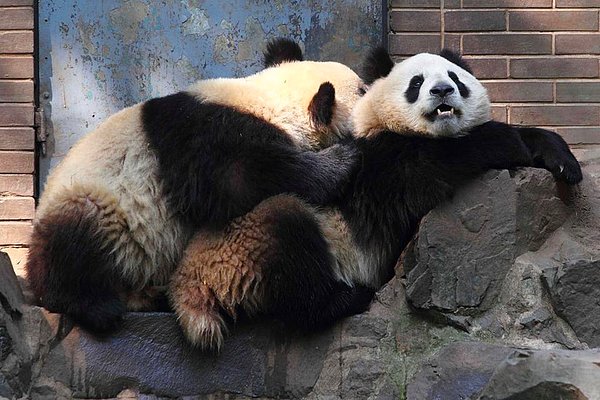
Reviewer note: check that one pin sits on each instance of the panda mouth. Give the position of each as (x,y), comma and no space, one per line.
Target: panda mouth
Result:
(443,111)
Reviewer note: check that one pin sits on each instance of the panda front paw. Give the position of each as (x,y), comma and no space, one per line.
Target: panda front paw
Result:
(551,152)
(564,167)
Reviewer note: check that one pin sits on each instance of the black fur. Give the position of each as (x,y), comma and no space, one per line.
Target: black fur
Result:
(462,88)
(302,289)
(378,64)
(217,163)
(322,104)
(456,58)
(414,87)
(70,270)
(280,50)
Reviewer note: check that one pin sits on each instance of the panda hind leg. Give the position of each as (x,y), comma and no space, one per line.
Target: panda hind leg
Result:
(302,289)
(70,268)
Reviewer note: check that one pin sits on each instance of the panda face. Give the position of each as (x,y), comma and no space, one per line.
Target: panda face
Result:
(426,94)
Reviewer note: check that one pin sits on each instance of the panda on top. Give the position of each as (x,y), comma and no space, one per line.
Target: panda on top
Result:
(423,129)
(117,212)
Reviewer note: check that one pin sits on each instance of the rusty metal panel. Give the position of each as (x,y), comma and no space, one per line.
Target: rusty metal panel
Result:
(99,56)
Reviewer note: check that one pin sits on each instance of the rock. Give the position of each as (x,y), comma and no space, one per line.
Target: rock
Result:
(11,296)
(514,256)
(546,374)
(459,371)
(575,290)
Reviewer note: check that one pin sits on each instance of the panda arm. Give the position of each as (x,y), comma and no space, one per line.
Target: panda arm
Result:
(216,163)
(550,151)
(546,149)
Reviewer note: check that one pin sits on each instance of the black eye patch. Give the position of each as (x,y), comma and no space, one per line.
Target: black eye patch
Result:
(462,89)
(412,93)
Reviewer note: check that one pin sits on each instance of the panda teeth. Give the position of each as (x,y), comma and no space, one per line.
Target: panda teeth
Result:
(450,112)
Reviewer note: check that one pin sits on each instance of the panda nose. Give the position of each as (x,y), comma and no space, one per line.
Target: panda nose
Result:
(441,90)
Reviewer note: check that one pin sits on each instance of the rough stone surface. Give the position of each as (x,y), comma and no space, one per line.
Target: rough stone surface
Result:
(501,302)
(513,256)
(546,374)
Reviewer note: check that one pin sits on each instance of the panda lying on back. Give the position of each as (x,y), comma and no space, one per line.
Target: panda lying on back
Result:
(423,129)
(118,211)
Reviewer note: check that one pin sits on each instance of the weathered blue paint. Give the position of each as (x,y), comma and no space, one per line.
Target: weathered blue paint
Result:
(99,56)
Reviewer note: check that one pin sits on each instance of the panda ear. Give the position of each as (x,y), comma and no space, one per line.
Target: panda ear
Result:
(456,58)
(280,50)
(378,64)
(321,105)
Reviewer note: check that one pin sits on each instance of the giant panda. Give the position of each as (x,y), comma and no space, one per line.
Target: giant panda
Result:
(423,129)
(116,213)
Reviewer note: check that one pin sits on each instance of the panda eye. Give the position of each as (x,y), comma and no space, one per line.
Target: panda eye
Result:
(416,81)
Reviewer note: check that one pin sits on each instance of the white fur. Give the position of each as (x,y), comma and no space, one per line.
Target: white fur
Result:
(281,95)
(384,106)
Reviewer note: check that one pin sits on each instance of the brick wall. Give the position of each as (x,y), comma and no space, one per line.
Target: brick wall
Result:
(538,58)
(17,138)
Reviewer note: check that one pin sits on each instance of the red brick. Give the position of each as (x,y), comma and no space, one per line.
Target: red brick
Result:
(507,43)
(452,42)
(412,44)
(4,3)
(416,3)
(17,208)
(514,91)
(16,18)
(17,139)
(577,3)
(16,162)
(554,68)
(580,135)
(578,44)
(578,92)
(464,21)
(507,3)
(488,68)
(15,232)
(553,20)
(14,67)
(16,185)
(16,42)
(16,114)
(499,113)
(555,115)
(415,21)
(16,91)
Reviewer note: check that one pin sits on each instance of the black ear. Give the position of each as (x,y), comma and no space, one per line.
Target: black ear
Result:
(321,105)
(280,50)
(378,64)
(455,58)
